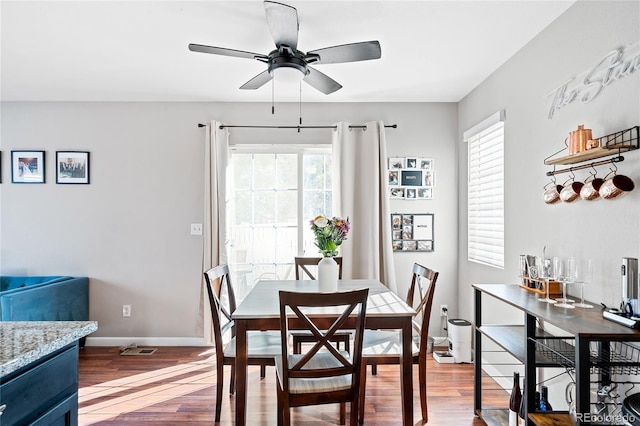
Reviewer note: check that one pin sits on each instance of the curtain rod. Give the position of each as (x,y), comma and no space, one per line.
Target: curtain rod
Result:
(222,126)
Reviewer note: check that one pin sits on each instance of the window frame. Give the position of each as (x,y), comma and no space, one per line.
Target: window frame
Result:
(485,221)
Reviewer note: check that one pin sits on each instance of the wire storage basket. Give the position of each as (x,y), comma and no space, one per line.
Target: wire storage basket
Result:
(555,350)
(615,357)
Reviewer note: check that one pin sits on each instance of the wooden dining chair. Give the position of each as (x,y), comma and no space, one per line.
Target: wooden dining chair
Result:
(302,266)
(323,375)
(261,346)
(385,347)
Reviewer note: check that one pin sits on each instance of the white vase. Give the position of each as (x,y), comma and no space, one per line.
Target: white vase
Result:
(327,275)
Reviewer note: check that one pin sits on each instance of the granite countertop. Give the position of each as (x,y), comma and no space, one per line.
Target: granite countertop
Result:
(22,342)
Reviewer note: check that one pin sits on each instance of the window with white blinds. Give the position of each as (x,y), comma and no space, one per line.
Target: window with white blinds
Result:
(485,212)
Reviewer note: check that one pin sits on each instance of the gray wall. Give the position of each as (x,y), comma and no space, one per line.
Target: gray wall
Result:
(604,230)
(129,229)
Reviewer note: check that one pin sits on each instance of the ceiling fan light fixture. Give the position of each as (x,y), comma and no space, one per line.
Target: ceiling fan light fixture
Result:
(287,75)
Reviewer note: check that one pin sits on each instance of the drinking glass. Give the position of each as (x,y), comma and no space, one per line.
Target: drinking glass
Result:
(549,271)
(567,276)
(584,273)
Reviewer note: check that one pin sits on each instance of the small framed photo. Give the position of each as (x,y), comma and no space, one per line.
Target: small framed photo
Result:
(425,246)
(410,193)
(396,163)
(425,193)
(397,234)
(429,178)
(394,179)
(27,166)
(407,219)
(397,245)
(396,192)
(409,245)
(426,163)
(411,178)
(412,163)
(72,167)
(407,233)
(396,222)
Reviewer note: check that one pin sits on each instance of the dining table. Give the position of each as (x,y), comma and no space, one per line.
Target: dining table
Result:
(260,310)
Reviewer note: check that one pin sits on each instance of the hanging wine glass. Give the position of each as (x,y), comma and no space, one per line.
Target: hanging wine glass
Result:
(567,276)
(550,269)
(584,273)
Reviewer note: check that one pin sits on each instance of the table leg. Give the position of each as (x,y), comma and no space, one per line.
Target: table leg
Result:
(241,372)
(406,374)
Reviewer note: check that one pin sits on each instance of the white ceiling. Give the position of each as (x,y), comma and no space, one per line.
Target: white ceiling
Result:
(432,51)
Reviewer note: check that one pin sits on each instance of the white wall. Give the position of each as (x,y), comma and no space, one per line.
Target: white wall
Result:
(604,230)
(129,229)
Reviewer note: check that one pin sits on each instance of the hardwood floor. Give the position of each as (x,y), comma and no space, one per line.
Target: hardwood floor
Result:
(175,386)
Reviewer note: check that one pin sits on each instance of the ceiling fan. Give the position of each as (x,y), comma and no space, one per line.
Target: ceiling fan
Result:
(283,22)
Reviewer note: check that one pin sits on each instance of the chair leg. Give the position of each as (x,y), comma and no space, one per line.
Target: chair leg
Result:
(219,386)
(232,383)
(363,386)
(422,374)
(343,413)
(374,369)
(263,371)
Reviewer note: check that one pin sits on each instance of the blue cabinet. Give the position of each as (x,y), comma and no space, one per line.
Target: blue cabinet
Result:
(44,392)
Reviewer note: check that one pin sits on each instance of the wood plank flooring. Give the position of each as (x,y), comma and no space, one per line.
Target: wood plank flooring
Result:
(176,385)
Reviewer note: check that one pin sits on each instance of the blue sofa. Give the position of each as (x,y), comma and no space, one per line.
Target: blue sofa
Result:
(46,298)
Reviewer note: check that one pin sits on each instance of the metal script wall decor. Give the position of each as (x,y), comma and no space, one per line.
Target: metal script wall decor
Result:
(587,85)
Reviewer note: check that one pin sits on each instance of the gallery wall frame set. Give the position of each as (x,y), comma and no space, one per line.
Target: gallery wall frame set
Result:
(28,166)
(411,178)
(412,232)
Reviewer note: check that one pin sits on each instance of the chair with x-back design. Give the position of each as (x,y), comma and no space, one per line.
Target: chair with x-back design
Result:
(322,375)
(385,347)
(262,346)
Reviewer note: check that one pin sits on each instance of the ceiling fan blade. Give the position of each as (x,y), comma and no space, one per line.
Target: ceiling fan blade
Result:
(363,51)
(226,52)
(320,81)
(283,23)
(257,81)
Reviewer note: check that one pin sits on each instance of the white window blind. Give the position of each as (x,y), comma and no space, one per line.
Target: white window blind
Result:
(485,213)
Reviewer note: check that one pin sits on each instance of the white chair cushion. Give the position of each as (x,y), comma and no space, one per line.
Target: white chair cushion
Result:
(259,343)
(319,360)
(385,343)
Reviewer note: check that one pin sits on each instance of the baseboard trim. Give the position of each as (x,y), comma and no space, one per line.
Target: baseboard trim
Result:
(146,341)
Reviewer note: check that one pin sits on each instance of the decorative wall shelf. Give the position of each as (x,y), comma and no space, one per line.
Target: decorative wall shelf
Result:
(612,145)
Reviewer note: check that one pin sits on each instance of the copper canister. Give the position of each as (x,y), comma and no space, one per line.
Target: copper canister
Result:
(578,139)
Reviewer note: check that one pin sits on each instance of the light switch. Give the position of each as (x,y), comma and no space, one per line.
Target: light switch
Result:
(196,229)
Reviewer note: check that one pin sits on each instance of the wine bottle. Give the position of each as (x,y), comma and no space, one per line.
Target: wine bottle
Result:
(544,400)
(523,401)
(514,400)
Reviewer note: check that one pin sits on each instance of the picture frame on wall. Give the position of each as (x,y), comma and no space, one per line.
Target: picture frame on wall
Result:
(396,193)
(396,162)
(411,177)
(426,163)
(412,163)
(412,232)
(429,178)
(425,193)
(394,178)
(27,166)
(72,167)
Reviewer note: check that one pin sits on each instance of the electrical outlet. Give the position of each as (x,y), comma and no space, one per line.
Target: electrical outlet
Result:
(444,309)
(196,229)
(126,310)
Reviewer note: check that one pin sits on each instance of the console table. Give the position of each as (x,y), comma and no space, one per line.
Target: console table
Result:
(39,371)
(591,344)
